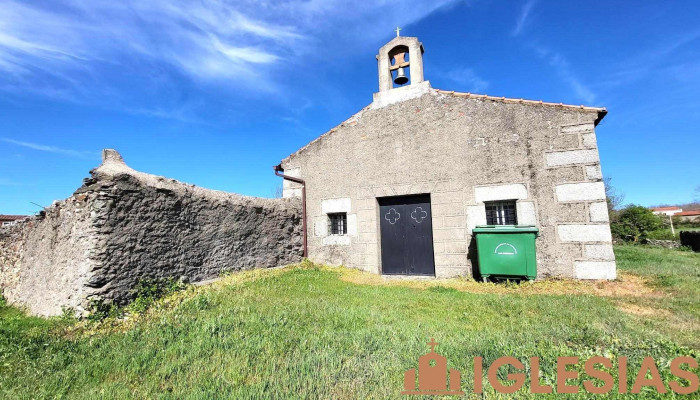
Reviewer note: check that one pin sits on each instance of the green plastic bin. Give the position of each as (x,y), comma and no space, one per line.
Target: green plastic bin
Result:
(506,251)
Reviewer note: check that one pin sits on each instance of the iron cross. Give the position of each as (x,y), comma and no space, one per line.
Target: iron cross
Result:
(397,31)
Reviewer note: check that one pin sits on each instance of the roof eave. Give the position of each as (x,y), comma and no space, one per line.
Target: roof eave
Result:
(601,114)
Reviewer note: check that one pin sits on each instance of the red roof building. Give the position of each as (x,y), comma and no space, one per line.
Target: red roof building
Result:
(6,220)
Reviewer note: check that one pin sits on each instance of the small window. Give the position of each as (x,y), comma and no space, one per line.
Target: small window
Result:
(338,223)
(501,213)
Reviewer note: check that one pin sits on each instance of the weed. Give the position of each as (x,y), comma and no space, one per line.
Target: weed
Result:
(147,291)
(100,310)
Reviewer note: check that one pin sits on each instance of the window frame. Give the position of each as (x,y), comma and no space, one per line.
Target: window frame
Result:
(342,228)
(503,209)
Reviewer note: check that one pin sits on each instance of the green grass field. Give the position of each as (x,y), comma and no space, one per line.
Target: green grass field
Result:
(315,332)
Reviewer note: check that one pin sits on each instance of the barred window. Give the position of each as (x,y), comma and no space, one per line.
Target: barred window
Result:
(338,223)
(501,213)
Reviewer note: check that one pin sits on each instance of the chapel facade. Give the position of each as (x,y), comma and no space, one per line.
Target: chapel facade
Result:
(398,187)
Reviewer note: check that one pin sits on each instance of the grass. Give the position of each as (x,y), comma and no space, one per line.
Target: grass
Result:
(316,332)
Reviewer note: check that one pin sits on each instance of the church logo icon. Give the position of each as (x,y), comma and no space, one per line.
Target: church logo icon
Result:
(432,376)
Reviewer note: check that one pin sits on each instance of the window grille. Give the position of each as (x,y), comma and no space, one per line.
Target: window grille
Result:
(501,213)
(338,223)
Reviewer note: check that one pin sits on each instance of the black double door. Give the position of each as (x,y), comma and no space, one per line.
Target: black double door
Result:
(407,235)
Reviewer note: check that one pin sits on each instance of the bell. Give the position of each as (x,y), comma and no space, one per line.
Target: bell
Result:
(400,77)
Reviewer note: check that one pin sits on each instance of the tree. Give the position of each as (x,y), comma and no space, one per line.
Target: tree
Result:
(277,191)
(613,198)
(635,222)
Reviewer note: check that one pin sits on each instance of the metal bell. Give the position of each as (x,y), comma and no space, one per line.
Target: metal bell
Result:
(401,77)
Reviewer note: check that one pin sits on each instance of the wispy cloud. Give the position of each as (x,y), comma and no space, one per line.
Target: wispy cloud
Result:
(656,61)
(467,79)
(566,73)
(52,149)
(523,18)
(89,51)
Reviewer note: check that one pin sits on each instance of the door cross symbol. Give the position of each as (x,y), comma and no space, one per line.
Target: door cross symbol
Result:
(419,214)
(392,216)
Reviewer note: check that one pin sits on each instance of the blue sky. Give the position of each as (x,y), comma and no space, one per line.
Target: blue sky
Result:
(215,92)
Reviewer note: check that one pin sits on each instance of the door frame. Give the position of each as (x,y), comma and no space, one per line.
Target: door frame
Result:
(379,234)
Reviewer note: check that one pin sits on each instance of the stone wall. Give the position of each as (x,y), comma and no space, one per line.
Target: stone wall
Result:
(123,226)
(47,260)
(463,151)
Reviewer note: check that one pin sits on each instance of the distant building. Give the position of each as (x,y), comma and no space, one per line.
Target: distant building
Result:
(7,220)
(666,210)
(688,216)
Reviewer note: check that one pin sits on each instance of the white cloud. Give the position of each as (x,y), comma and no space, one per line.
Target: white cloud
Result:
(88,49)
(565,72)
(52,149)
(654,61)
(523,18)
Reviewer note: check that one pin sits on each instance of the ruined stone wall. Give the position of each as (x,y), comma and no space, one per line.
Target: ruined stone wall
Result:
(46,261)
(123,226)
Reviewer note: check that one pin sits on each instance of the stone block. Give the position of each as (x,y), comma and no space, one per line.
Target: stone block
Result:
(366,204)
(599,212)
(567,174)
(564,142)
(476,215)
(589,140)
(438,222)
(289,188)
(599,252)
(446,197)
(367,237)
(455,247)
(593,172)
(595,270)
(455,221)
(321,226)
(516,191)
(578,128)
(368,227)
(572,157)
(336,240)
(569,212)
(443,235)
(584,233)
(366,215)
(580,191)
(291,192)
(352,224)
(447,209)
(450,260)
(335,205)
(526,214)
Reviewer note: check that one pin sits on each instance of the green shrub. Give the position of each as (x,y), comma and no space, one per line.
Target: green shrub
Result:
(101,310)
(661,234)
(147,291)
(634,223)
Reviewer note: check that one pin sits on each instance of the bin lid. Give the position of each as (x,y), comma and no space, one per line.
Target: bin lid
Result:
(506,229)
